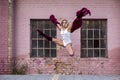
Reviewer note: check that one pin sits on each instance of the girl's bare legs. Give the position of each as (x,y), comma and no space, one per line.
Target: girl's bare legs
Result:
(58,41)
(70,49)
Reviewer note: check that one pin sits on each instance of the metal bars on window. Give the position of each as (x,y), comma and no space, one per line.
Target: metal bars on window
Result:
(40,47)
(94,38)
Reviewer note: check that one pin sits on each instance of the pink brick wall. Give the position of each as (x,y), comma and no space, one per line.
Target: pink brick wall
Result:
(3,36)
(34,9)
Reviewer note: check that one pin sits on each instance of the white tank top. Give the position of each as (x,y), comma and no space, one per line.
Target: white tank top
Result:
(65,36)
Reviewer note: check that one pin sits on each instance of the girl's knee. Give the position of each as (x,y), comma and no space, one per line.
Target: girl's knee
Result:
(54,40)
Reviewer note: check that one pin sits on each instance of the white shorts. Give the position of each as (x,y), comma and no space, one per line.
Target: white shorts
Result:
(65,43)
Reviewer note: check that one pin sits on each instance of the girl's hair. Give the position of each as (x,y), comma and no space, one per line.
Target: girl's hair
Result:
(63,21)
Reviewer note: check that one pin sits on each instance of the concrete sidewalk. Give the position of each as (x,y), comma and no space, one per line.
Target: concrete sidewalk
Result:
(59,77)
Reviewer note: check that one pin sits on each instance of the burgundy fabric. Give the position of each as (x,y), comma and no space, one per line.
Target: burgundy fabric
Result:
(83,12)
(77,23)
(53,20)
(46,36)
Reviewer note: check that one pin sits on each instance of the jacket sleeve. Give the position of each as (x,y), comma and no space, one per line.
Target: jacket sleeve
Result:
(77,23)
(53,19)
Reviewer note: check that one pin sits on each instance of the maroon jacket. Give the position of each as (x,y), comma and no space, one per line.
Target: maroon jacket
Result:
(77,23)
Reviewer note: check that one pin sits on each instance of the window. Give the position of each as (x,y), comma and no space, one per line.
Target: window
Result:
(40,47)
(94,38)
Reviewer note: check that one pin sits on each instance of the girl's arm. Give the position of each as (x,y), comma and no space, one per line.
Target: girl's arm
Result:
(59,27)
(70,26)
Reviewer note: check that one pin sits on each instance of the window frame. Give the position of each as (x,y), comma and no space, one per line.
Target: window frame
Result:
(44,40)
(105,39)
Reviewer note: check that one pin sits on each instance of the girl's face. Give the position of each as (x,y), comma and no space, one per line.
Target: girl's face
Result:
(64,23)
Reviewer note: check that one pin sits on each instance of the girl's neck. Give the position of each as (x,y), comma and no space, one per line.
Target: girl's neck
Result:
(64,29)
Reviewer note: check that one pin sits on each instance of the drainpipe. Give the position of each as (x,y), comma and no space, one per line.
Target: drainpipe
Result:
(9,34)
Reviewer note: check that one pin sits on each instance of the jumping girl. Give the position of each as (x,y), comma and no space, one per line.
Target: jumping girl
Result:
(66,30)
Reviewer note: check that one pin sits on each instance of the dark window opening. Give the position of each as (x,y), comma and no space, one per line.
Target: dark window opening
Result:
(93,38)
(40,47)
